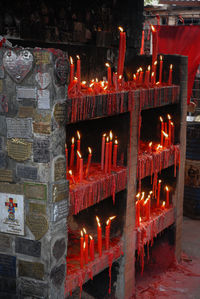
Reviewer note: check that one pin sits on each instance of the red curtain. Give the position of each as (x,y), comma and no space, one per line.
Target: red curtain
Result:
(182,40)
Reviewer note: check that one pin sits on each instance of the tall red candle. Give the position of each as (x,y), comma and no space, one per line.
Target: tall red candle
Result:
(86,245)
(80,167)
(170,75)
(91,248)
(66,156)
(107,155)
(154,44)
(88,162)
(141,76)
(99,235)
(115,153)
(158,194)
(72,176)
(78,149)
(160,70)
(137,76)
(172,127)
(81,250)
(78,71)
(147,208)
(153,81)
(71,78)
(109,75)
(169,129)
(122,51)
(107,235)
(110,152)
(137,213)
(154,69)
(147,74)
(167,196)
(163,205)
(72,154)
(142,44)
(103,150)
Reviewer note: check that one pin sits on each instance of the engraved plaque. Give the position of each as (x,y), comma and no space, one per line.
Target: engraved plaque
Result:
(41,153)
(43,99)
(18,65)
(33,288)
(59,248)
(60,210)
(42,57)
(42,117)
(26,111)
(28,247)
(60,191)
(26,172)
(3,159)
(37,208)
(35,191)
(60,113)
(7,265)
(24,92)
(5,242)
(59,169)
(57,275)
(30,269)
(12,188)
(62,69)
(19,149)
(12,213)
(37,224)
(41,128)
(6,175)
(43,80)
(3,125)
(19,127)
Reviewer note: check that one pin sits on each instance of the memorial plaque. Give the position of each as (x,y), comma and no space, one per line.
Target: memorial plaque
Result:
(60,191)
(43,80)
(57,275)
(3,159)
(24,92)
(37,224)
(59,248)
(28,247)
(12,213)
(30,269)
(37,208)
(35,191)
(26,111)
(42,117)
(60,113)
(42,57)
(6,175)
(26,172)
(1,143)
(42,128)
(33,288)
(41,153)
(5,242)
(62,69)
(18,65)
(19,127)
(19,149)
(2,75)
(43,99)
(59,169)
(60,210)
(11,188)
(3,125)
(7,265)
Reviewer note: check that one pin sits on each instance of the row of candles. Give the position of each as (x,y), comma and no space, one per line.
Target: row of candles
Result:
(108,152)
(144,204)
(166,131)
(87,242)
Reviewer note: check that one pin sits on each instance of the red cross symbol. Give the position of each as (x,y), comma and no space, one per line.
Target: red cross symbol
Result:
(11,208)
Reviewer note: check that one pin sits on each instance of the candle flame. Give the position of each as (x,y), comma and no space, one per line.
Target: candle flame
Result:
(104,134)
(165,134)
(89,150)
(169,116)
(134,76)
(161,57)
(83,82)
(112,217)
(149,67)
(107,64)
(78,134)
(75,78)
(153,28)
(152,74)
(161,119)
(120,77)
(108,221)
(138,70)
(97,80)
(150,192)
(171,66)
(98,221)
(159,181)
(79,154)
(150,144)
(72,140)
(84,230)
(140,219)
(163,204)
(107,139)
(90,237)
(138,195)
(155,62)
(120,29)
(159,146)
(143,193)
(81,233)
(84,244)
(172,124)
(111,135)
(166,188)
(91,84)
(78,57)
(71,60)
(116,142)
(70,172)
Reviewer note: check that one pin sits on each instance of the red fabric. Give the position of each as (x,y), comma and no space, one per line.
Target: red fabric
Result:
(182,40)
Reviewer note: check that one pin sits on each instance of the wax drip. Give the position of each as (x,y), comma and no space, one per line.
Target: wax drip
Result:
(110,261)
(81,279)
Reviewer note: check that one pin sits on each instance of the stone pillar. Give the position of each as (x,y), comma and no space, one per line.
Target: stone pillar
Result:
(33,185)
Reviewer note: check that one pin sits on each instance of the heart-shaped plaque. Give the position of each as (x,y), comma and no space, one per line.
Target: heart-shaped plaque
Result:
(37,224)
(43,80)
(18,65)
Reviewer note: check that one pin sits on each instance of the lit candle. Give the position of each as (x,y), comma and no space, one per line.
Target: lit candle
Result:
(72,176)
(137,76)
(150,146)
(115,153)
(163,205)
(66,156)
(102,150)
(78,71)
(88,161)
(167,196)
(80,167)
(107,235)
(154,44)
(172,127)
(158,194)
(160,70)
(166,138)
(72,154)
(153,81)
(142,44)
(81,250)
(99,233)
(169,129)
(141,76)
(78,149)
(154,69)
(91,248)
(122,51)
(170,75)
(86,245)
(142,203)
(106,154)
(147,74)
(109,75)
(162,129)
(110,152)
(71,78)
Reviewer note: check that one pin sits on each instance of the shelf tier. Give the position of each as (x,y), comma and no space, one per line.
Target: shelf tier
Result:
(102,105)
(97,187)
(81,276)
(159,220)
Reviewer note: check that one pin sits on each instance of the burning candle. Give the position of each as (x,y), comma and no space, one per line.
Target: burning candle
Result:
(81,250)
(99,233)
(154,69)
(137,76)
(89,161)
(71,78)
(150,147)
(158,194)
(110,152)
(162,129)
(107,155)
(86,245)
(102,150)
(141,76)
(147,74)
(160,70)
(142,44)
(78,71)
(115,153)
(109,75)
(122,51)
(167,196)
(166,138)
(80,166)
(72,176)
(153,80)
(154,44)
(107,235)
(163,205)
(169,129)
(72,154)
(170,74)
(78,149)
(91,248)
(172,133)
(66,156)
